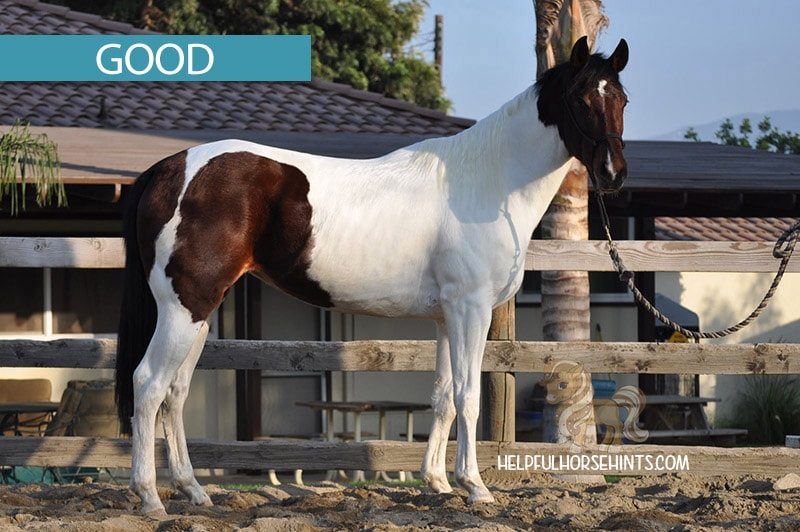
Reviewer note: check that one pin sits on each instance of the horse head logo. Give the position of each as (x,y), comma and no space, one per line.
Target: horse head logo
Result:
(569,386)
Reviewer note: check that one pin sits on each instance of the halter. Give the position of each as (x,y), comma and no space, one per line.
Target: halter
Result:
(595,142)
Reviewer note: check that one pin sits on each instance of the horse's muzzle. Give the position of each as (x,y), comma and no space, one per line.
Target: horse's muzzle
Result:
(608,183)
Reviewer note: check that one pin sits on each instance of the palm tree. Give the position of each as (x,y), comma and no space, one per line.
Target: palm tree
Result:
(565,295)
(28,159)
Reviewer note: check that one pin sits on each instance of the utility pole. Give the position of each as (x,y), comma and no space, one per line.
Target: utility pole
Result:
(438,45)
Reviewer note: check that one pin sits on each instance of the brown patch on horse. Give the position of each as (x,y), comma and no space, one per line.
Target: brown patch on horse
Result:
(158,203)
(243,213)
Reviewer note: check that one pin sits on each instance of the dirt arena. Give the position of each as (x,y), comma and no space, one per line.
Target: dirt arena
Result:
(676,502)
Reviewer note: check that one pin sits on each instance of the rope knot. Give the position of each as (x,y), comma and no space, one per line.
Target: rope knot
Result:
(786,241)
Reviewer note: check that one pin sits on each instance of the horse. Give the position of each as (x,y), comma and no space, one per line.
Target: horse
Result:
(435,230)
(569,385)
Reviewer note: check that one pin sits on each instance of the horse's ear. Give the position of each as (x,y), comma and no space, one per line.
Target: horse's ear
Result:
(620,56)
(580,54)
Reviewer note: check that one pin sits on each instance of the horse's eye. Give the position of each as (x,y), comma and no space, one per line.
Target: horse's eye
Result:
(562,385)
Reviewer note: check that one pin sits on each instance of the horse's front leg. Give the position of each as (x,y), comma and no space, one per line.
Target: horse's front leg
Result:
(444,412)
(468,322)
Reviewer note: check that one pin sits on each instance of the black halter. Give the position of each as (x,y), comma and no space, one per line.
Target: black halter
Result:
(594,142)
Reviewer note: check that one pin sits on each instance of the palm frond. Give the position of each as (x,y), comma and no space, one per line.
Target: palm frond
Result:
(28,159)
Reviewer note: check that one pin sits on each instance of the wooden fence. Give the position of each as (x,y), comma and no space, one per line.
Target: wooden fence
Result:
(497,459)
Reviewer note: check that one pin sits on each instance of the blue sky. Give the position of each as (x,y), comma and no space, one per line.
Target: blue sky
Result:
(692,61)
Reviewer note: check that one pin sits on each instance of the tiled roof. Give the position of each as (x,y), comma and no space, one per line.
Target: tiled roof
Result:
(317,106)
(721,229)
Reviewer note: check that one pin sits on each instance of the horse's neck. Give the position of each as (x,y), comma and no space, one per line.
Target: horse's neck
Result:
(510,158)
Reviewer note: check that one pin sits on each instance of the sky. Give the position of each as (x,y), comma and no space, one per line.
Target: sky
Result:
(691,61)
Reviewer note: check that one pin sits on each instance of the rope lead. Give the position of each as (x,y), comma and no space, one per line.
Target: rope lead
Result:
(782,250)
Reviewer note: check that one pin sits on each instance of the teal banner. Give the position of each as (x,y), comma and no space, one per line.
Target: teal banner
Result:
(155,58)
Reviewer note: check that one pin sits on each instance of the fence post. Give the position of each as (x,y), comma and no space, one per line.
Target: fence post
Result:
(499,399)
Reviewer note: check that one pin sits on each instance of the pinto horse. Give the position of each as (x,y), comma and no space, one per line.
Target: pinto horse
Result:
(435,230)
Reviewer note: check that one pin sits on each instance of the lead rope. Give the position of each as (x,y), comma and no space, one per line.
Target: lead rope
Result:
(782,250)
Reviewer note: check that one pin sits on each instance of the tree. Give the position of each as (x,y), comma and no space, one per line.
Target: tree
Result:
(565,295)
(770,137)
(25,158)
(362,44)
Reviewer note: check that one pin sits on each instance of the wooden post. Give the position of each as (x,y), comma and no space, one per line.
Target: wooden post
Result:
(499,399)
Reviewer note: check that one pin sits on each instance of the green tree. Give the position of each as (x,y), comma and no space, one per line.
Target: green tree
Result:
(25,160)
(770,138)
(362,43)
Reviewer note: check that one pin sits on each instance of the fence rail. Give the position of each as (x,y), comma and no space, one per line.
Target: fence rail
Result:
(411,355)
(542,255)
(497,460)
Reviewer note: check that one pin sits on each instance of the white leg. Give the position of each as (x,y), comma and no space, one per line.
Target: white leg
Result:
(172,415)
(468,324)
(444,412)
(172,342)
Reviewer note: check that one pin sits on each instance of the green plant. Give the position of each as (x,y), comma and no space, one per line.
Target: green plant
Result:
(27,159)
(768,407)
(769,139)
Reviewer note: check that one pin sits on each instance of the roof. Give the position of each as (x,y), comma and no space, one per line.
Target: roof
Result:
(316,106)
(734,229)
(706,179)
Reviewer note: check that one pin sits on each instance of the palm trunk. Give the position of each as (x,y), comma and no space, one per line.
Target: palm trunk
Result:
(565,295)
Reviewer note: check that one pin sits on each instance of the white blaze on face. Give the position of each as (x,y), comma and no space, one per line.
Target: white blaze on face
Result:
(601,90)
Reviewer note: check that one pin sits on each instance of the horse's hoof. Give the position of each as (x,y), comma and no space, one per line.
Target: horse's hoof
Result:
(438,484)
(480,497)
(151,503)
(200,499)
(154,510)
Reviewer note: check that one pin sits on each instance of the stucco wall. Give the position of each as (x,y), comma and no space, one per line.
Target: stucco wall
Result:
(723,299)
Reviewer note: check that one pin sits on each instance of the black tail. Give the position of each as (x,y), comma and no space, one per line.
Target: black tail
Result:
(137,320)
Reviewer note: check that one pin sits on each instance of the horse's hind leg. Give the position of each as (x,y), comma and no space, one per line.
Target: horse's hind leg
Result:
(444,412)
(172,417)
(177,338)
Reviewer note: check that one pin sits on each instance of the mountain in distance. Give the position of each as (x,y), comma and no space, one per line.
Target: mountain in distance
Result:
(784,120)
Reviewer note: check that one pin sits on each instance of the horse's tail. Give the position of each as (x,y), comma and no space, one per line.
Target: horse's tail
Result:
(138,314)
(632,399)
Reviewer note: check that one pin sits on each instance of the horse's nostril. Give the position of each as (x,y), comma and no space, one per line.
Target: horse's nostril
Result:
(622,173)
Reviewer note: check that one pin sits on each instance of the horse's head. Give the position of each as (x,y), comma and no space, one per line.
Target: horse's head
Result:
(585,99)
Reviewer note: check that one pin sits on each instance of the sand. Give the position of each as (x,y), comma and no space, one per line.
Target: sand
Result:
(672,502)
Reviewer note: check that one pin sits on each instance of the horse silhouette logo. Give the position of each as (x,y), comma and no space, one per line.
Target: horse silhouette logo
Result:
(569,386)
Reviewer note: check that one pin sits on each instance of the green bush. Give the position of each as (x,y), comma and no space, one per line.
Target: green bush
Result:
(768,407)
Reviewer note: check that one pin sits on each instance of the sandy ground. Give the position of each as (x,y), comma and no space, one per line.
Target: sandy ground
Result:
(675,502)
